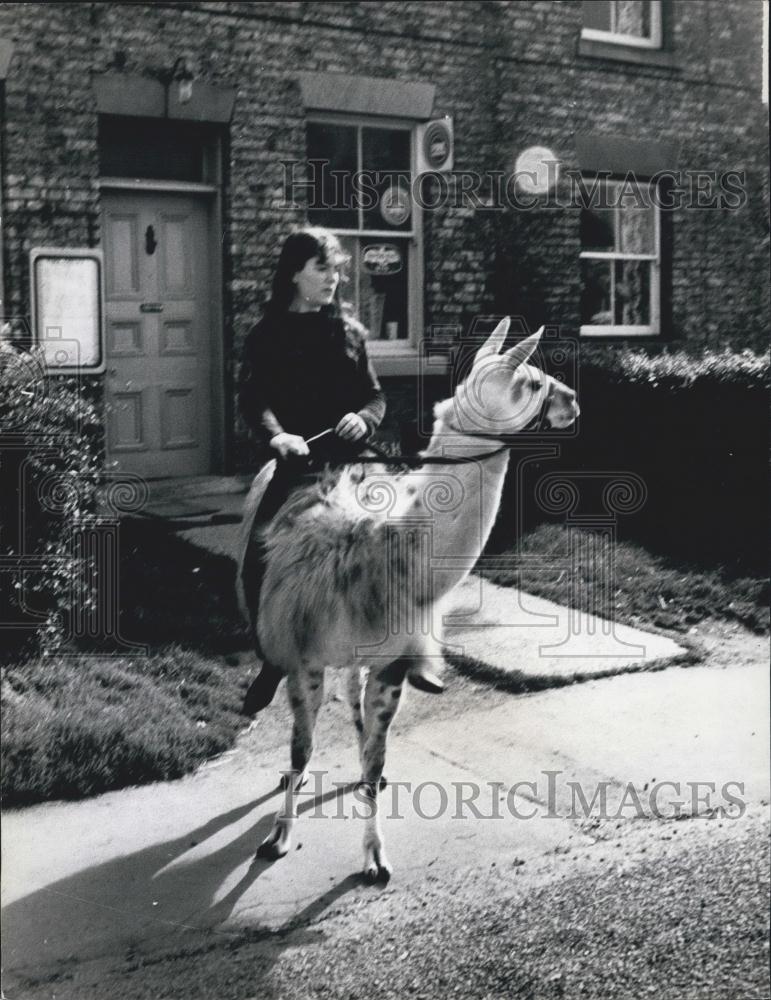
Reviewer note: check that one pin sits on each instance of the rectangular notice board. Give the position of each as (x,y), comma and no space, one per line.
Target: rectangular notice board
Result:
(68,307)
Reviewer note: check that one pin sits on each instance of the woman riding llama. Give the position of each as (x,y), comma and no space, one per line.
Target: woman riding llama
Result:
(305,370)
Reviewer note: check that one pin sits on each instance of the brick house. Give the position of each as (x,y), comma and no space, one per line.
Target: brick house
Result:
(598,166)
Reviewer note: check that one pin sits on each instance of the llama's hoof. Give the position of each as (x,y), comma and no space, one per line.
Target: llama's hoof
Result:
(376,868)
(362,784)
(271,852)
(273,847)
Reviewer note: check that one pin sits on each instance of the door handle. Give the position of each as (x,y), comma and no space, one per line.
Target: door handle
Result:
(151,307)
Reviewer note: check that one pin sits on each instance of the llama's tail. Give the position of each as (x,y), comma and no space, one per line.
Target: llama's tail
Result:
(251,506)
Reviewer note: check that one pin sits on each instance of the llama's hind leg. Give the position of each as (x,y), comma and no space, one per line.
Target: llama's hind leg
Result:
(305,696)
(381,701)
(357,678)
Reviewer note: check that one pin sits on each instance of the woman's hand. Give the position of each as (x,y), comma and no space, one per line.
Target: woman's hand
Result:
(289,444)
(351,427)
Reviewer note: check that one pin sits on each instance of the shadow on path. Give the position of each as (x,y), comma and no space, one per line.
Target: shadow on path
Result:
(152,896)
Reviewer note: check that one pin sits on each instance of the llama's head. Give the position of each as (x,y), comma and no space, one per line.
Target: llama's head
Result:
(503,394)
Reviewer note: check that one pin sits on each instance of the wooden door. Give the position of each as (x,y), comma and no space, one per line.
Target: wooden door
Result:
(158,333)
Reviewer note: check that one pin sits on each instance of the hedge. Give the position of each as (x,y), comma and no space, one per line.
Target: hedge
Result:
(693,428)
(50,450)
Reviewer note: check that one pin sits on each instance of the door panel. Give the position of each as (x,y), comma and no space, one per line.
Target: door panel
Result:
(159,345)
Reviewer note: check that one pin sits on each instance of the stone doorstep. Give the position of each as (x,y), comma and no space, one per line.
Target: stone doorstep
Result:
(182,503)
(194,487)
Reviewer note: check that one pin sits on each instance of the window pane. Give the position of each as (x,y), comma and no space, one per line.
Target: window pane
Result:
(632,292)
(151,148)
(637,228)
(386,158)
(596,309)
(597,14)
(332,194)
(632,17)
(597,229)
(379,300)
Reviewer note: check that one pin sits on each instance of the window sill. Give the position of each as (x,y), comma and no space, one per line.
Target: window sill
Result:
(617,52)
(408,361)
(617,333)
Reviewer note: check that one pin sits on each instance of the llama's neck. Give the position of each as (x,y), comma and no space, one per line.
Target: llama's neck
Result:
(459,501)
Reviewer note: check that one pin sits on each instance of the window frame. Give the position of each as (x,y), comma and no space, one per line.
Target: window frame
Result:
(655,41)
(652,329)
(412,237)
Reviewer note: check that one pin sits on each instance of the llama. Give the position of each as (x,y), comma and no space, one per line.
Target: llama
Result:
(337,591)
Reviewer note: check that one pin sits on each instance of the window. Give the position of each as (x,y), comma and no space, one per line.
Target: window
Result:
(152,148)
(360,173)
(623,22)
(620,260)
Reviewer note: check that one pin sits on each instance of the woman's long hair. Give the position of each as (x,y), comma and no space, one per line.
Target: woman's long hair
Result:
(298,249)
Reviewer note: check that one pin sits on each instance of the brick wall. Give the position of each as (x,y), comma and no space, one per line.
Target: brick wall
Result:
(510,75)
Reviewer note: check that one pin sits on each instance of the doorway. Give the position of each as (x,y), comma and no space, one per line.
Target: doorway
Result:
(162,379)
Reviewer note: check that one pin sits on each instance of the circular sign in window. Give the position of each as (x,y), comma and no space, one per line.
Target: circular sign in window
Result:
(381,258)
(395,205)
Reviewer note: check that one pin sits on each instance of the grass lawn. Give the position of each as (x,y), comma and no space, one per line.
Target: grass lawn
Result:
(82,724)
(644,590)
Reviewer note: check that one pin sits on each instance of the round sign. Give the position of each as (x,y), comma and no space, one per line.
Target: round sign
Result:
(381,258)
(436,145)
(536,170)
(395,205)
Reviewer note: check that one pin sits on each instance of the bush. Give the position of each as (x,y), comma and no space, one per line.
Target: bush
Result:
(50,445)
(680,370)
(694,430)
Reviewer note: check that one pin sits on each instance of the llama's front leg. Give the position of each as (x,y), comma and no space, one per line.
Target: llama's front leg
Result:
(306,691)
(354,700)
(381,701)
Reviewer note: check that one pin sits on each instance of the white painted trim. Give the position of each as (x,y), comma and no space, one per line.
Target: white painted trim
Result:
(619,331)
(138,184)
(614,38)
(615,255)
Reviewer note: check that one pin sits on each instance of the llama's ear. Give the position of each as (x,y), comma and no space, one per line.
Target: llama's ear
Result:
(520,353)
(494,342)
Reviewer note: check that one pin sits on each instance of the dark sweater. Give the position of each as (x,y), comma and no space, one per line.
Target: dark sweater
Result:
(302,373)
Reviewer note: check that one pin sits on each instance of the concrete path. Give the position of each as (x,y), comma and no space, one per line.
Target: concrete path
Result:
(148,867)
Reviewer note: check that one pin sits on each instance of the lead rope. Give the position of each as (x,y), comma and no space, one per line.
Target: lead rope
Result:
(536,425)
(415,461)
